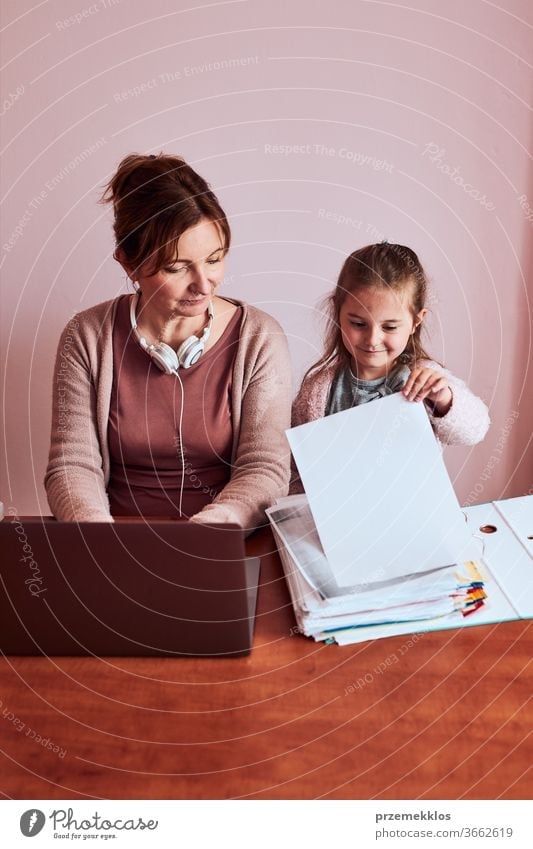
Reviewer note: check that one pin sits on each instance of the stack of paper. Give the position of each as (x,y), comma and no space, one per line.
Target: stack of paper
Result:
(323,608)
(379,541)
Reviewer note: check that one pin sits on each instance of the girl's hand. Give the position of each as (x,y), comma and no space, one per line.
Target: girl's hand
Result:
(426,384)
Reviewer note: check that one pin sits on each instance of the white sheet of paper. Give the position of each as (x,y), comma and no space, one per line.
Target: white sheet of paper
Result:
(380,495)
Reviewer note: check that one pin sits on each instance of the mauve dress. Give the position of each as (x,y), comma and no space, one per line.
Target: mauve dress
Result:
(143,430)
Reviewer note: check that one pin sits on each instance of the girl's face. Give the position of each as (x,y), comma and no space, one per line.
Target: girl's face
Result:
(186,285)
(376,324)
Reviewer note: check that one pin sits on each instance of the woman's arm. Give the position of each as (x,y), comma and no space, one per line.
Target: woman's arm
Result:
(260,472)
(74,478)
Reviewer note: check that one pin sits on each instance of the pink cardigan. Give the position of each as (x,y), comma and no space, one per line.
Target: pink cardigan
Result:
(465,423)
(78,466)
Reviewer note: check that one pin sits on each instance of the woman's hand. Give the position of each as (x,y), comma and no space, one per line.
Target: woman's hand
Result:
(426,384)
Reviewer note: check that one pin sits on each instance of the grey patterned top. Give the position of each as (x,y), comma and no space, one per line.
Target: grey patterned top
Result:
(348,391)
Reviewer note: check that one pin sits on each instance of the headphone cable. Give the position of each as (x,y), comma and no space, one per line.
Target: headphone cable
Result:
(182,453)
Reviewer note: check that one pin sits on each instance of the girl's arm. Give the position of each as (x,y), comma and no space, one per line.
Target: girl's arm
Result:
(305,408)
(309,405)
(300,413)
(462,421)
(310,402)
(74,478)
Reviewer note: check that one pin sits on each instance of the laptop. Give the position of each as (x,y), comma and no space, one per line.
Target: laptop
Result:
(134,587)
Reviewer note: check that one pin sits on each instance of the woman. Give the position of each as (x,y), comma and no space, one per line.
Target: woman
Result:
(172,401)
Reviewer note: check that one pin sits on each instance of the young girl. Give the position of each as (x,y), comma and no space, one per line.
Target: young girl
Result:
(373,348)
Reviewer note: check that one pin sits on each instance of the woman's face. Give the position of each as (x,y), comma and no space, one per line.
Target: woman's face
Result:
(186,285)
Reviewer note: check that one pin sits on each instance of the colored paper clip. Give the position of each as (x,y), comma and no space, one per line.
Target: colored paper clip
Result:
(473,608)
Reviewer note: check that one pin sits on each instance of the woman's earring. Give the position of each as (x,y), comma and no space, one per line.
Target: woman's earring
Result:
(135,285)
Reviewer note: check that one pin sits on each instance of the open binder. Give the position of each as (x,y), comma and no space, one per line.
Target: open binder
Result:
(361,563)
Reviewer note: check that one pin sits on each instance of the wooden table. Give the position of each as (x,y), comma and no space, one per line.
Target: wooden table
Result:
(444,716)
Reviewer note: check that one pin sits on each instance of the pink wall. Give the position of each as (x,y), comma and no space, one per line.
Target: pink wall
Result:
(322,127)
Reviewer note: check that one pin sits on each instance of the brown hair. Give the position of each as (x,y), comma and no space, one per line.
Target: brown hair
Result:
(155,200)
(381,265)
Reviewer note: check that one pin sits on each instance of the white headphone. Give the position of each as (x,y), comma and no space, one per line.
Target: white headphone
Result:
(165,357)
